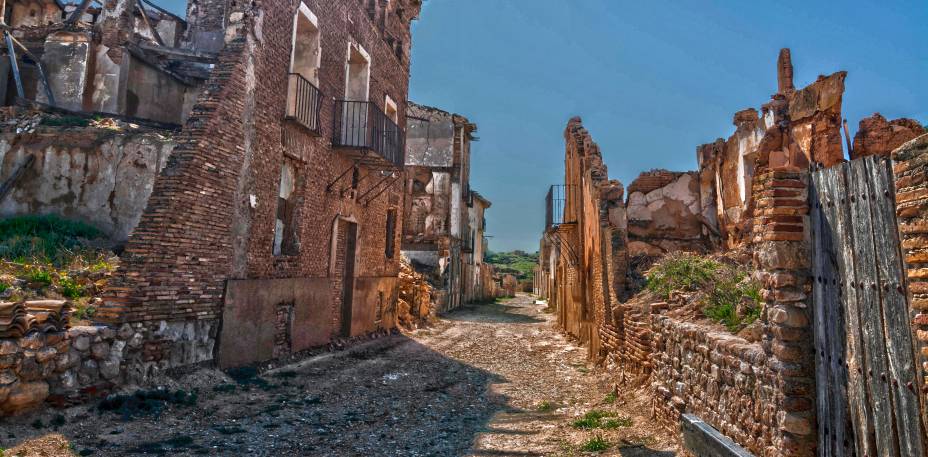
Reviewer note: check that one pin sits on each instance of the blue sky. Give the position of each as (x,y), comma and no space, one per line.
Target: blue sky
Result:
(652,80)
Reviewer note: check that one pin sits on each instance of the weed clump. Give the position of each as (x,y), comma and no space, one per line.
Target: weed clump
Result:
(600,419)
(596,444)
(725,293)
(545,406)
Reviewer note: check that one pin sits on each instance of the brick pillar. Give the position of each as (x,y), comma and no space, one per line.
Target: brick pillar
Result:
(911,173)
(782,259)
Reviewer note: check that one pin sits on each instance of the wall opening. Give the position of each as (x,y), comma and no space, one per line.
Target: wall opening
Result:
(284,226)
(391,234)
(357,85)
(306,57)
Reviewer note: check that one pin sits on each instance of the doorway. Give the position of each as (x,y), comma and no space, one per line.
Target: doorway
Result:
(348,275)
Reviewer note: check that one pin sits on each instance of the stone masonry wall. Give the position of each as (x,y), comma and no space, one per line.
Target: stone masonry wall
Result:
(911,174)
(716,376)
(69,367)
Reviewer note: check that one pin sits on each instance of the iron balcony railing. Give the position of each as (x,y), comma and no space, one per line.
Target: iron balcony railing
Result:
(363,125)
(555,201)
(304,102)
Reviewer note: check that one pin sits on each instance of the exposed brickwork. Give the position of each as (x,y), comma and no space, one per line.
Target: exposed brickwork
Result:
(212,212)
(877,136)
(783,261)
(911,174)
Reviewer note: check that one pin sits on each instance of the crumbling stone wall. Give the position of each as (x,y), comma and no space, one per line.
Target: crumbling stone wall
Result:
(438,235)
(664,210)
(717,376)
(877,136)
(795,128)
(63,368)
(97,175)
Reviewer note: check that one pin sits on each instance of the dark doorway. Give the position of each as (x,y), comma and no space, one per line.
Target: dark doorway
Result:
(351,240)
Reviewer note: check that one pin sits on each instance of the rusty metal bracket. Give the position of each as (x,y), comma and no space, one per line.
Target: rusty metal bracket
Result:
(389,184)
(329,186)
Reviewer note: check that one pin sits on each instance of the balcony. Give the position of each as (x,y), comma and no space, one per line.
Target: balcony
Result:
(555,201)
(304,101)
(372,137)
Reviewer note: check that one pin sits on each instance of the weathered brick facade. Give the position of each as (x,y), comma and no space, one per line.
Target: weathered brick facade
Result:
(211,217)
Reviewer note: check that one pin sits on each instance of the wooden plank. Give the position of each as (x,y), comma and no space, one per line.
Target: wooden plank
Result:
(868,298)
(834,320)
(895,317)
(702,440)
(855,362)
(818,193)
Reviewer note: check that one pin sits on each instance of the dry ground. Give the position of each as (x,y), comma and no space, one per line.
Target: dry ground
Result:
(486,380)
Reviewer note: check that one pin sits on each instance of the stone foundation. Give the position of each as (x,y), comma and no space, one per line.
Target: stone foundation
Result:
(70,367)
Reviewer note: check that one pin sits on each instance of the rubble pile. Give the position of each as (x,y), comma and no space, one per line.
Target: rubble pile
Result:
(414,305)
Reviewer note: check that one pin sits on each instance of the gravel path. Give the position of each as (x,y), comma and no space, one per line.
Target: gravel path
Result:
(487,380)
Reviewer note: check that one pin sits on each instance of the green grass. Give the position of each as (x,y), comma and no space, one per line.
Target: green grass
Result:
(611,397)
(596,444)
(592,419)
(3,287)
(545,406)
(47,239)
(721,287)
(39,276)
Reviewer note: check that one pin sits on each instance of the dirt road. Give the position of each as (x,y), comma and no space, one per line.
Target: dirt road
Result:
(488,380)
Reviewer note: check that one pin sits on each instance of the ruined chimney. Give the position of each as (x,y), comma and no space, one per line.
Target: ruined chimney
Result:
(785,72)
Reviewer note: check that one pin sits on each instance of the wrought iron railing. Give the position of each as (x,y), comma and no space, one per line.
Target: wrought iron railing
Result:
(304,102)
(555,201)
(363,125)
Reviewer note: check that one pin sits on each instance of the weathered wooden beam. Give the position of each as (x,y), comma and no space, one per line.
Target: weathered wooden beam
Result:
(154,32)
(14,65)
(702,440)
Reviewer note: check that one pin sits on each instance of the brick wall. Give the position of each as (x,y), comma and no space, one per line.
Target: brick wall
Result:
(212,212)
(911,174)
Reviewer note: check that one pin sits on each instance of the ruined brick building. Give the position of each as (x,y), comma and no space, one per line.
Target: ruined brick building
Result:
(443,235)
(779,193)
(268,140)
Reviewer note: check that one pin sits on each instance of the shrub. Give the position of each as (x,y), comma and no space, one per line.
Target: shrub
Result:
(681,272)
(722,288)
(70,288)
(39,276)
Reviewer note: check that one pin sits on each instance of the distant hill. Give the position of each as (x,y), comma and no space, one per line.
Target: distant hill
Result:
(519,263)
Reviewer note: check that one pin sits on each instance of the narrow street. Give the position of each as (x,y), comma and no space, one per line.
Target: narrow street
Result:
(486,380)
